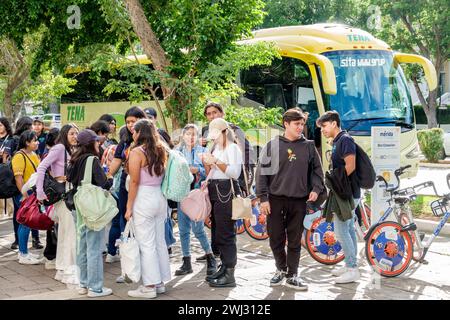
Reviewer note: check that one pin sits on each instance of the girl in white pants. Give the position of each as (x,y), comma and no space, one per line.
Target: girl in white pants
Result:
(148,206)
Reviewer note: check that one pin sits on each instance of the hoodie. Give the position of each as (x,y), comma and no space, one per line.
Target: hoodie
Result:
(283,169)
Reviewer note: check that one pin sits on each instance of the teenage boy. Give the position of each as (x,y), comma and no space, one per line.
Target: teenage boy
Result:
(343,155)
(284,184)
(38,127)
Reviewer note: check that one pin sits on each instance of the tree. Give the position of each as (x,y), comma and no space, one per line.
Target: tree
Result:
(423,28)
(302,12)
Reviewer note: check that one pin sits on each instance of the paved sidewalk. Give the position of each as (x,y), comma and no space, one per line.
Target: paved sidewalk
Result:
(254,269)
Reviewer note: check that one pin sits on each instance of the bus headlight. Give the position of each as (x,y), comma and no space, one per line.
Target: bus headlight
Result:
(414,153)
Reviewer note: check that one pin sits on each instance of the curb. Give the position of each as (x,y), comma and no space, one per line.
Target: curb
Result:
(434,165)
(429,226)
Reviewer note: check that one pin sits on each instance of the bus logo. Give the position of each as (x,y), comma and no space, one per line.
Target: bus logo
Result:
(358,38)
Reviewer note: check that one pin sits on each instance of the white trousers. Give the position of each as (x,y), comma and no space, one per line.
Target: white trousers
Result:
(149,215)
(66,251)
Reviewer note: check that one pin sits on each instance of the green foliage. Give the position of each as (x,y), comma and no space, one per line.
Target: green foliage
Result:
(302,12)
(250,118)
(431,143)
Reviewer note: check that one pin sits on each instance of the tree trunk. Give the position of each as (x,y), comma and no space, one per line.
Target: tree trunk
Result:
(431,113)
(153,50)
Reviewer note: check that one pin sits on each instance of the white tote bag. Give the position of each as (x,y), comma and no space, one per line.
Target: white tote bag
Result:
(130,259)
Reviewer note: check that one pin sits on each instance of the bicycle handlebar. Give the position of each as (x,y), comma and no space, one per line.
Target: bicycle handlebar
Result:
(397,174)
(426,185)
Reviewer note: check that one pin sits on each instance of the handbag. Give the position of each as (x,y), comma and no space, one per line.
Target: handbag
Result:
(53,189)
(34,215)
(241,207)
(130,258)
(197,205)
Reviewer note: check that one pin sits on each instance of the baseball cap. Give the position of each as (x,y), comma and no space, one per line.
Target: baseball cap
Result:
(150,112)
(216,127)
(38,119)
(87,136)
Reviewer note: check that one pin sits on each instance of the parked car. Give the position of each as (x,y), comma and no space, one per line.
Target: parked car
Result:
(52,120)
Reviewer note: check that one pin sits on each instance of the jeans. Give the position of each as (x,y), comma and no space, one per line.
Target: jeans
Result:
(89,259)
(185,224)
(346,234)
(168,229)
(35,233)
(114,232)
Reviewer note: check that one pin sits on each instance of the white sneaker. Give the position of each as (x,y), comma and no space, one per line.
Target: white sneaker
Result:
(339,272)
(350,276)
(160,288)
(28,259)
(105,292)
(50,264)
(112,258)
(143,292)
(59,275)
(82,290)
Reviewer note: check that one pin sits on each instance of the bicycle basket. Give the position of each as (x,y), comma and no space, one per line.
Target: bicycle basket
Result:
(439,207)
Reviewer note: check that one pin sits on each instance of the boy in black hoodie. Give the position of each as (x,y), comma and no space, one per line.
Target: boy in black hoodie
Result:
(284,184)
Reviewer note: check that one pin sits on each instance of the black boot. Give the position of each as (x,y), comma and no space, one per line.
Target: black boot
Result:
(211,264)
(226,280)
(185,268)
(37,244)
(216,275)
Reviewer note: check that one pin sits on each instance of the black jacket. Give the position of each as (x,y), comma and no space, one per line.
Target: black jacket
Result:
(76,173)
(338,180)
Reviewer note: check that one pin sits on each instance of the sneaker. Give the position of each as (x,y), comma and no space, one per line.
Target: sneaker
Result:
(338,272)
(50,264)
(160,288)
(277,279)
(14,246)
(37,244)
(350,276)
(31,254)
(82,290)
(104,292)
(295,282)
(112,258)
(59,275)
(28,259)
(143,292)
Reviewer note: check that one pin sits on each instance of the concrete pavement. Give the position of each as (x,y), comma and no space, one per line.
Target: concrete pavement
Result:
(254,269)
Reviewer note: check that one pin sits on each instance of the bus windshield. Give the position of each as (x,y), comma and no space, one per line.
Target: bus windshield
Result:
(371,91)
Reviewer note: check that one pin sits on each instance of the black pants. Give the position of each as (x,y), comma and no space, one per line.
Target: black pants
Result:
(50,244)
(286,219)
(223,234)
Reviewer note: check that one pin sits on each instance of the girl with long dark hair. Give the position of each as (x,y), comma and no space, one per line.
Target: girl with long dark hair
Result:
(147,206)
(118,223)
(62,258)
(89,242)
(5,135)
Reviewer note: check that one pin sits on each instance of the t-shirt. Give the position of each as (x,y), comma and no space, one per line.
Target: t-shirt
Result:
(22,165)
(343,146)
(232,156)
(121,153)
(41,149)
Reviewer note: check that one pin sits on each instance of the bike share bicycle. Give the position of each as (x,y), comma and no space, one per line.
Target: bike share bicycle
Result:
(390,246)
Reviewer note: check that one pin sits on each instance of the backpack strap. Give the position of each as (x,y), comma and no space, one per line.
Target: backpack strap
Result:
(87,179)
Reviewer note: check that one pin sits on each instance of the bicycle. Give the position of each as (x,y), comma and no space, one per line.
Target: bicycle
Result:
(390,246)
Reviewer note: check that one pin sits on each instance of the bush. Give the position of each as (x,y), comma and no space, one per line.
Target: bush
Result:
(431,142)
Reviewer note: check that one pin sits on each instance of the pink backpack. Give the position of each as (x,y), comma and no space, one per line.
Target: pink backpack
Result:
(196,205)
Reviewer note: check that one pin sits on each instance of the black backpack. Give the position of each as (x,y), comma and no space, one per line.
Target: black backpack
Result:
(8,185)
(364,169)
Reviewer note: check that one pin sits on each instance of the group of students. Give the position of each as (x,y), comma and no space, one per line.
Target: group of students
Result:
(289,175)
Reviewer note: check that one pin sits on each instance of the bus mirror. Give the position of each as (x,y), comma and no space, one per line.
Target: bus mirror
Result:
(428,67)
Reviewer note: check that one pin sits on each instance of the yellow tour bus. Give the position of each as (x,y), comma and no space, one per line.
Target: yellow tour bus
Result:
(323,67)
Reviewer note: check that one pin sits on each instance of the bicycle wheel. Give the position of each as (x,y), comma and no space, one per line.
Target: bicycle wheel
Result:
(239,226)
(417,251)
(388,249)
(321,243)
(258,231)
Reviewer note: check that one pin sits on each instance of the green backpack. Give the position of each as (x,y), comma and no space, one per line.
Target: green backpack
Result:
(95,205)
(178,177)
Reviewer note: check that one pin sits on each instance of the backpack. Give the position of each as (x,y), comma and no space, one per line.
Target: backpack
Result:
(364,169)
(95,205)
(7,181)
(178,177)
